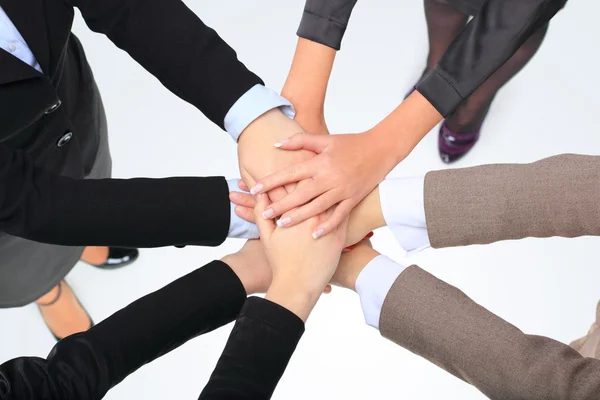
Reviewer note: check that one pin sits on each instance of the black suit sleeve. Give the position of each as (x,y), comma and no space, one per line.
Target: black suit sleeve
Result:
(486,43)
(87,365)
(174,45)
(257,353)
(47,208)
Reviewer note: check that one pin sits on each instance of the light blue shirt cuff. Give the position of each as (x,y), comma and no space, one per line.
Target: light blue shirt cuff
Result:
(238,227)
(254,103)
(373,284)
(403,208)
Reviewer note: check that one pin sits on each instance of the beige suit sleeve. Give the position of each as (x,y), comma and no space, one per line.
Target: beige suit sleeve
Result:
(440,323)
(557,196)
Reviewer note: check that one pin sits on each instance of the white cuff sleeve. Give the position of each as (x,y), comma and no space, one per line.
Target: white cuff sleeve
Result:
(373,284)
(403,208)
(238,227)
(254,103)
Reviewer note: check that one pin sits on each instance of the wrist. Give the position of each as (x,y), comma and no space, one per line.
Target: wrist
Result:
(297,298)
(364,218)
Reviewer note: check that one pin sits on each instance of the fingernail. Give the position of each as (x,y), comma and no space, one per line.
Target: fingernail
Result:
(256,189)
(284,222)
(236,195)
(282,142)
(268,213)
(318,233)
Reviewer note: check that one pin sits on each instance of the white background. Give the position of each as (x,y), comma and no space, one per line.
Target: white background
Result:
(547,287)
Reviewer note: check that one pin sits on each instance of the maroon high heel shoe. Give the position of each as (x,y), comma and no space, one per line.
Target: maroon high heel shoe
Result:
(453,146)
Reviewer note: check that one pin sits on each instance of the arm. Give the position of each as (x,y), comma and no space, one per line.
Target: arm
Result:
(441,324)
(557,196)
(200,67)
(268,330)
(44,207)
(482,47)
(87,365)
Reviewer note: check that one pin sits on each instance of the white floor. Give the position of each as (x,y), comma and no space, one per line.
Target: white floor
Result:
(548,287)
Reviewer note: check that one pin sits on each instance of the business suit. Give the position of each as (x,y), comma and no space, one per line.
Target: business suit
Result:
(557,196)
(89,364)
(53,136)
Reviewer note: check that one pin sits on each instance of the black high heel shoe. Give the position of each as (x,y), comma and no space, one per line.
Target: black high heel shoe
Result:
(118,257)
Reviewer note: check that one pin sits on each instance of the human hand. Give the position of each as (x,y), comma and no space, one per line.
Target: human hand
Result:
(301,267)
(364,218)
(258,157)
(251,266)
(346,169)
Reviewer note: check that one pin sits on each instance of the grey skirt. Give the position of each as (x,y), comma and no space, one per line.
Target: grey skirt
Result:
(28,270)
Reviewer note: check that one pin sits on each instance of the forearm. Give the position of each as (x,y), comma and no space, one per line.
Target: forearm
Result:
(87,365)
(44,207)
(306,84)
(256,355)
(556,196)
(486,43)
(400,132)
(201,68)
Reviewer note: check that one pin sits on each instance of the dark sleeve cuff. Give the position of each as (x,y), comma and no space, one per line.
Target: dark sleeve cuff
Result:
(321,29)
(275,316)
(437,88)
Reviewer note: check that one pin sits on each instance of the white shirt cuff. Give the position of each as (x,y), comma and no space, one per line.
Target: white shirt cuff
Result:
(238,227)
(373,284)
(254,103)
(403,208)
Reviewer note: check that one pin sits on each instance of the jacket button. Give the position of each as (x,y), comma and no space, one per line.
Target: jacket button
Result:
(64,139)
(53,108)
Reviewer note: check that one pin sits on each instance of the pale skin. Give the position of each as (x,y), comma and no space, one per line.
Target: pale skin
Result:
(347,167)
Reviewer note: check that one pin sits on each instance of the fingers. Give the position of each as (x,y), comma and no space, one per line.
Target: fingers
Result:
(245,213)
(242,199)
(292,174)
(337,218)
(304,141)
(265,226)
(277,193)
(242,185)
(312,209)
(303,194)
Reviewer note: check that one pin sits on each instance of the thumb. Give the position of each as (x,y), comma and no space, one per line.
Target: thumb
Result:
(305,141)
(265,226)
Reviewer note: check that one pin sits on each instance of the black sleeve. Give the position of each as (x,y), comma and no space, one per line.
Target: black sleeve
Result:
(87,365)
(47,208)
(257,353)
(486,43)
(175,46)
(325,22)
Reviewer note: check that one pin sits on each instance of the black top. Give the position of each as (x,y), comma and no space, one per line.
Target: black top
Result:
(42,194)
(494,34)
(259,348)
(87,365)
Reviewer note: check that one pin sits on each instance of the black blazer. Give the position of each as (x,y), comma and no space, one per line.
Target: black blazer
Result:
(87,365)
(42,195)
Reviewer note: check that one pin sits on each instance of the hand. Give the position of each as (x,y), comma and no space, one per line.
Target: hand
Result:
(301,267)
(251,266)
(346,169)
(364,218)
(352,263)
(258,157)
